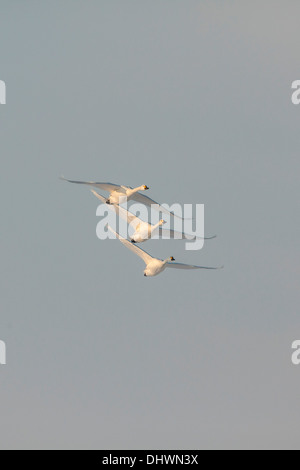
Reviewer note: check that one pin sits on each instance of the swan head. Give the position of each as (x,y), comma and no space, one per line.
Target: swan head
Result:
(172,258)
(145,187)
(162,222)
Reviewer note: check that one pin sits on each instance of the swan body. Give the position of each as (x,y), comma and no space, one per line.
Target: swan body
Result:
(124,194)
(145,231)
(154,266)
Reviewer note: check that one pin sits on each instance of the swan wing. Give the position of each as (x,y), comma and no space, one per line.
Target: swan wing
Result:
(173,234)
(126,215)
(104,186)
(135,249)
(188,266)
(147,201)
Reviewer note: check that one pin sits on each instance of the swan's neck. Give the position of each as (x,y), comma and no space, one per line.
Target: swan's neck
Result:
(156,226)
(136,190)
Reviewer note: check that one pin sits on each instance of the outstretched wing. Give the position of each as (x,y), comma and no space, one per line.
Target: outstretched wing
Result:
(179,235)
(104,186)
(128,216)
(135,249)
(188,266)
(147,201)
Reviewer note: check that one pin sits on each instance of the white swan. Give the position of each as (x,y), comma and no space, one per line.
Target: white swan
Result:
(155,266)
(144,231)
(122,194)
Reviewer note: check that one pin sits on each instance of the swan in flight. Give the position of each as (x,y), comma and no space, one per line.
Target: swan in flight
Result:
(155,266)
(122,194)
(144,231)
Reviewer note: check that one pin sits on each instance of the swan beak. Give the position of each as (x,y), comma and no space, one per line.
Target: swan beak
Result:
(146,188)
(145,275)
(133,241)
(172,259)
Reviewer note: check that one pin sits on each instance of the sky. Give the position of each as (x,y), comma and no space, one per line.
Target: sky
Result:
(193,99)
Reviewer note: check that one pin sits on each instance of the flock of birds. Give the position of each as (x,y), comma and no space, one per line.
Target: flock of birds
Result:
(143,231)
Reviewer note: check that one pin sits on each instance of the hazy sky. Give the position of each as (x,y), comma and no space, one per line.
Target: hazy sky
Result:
(193,99)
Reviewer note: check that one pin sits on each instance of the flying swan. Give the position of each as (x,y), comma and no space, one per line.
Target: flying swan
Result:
(155,266)
(122,194)
(144,231)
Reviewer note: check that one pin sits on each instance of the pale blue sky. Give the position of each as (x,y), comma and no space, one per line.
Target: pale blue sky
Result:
(194,99)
